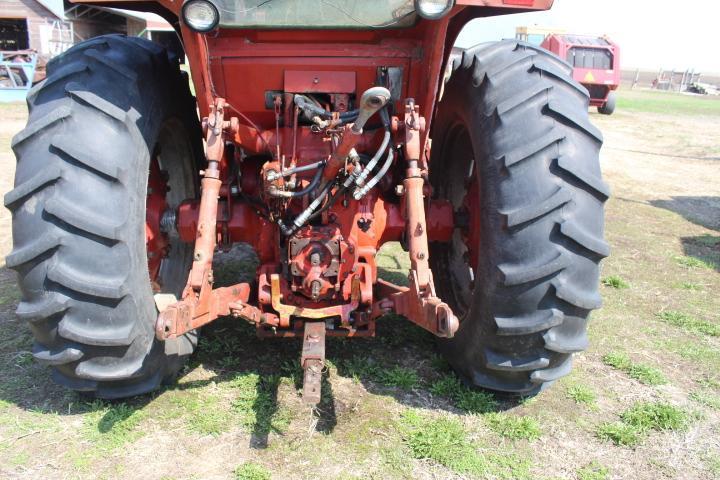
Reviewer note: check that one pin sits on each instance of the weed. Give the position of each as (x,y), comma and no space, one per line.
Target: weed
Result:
(251,471)
(706,398)
(467,399)
(581,394)
(440,364)
(615,281)
(656,416)
(400,377)
(442,440)
(620,433)
(593,471)
(639,371)
(690,324)
(359,367)
(692,262)
(691,286)
(513,427)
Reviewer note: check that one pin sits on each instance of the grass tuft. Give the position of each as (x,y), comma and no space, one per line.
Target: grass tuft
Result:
(581,394)
(692,262)
(619,433)
(593,471)
(706,398)
(442,440)
(615,281)
(467,399)
(691,286)
(641,418)
(513,427)
(251,471)
(399,377)
(638,371)
(656,416)
(689,324)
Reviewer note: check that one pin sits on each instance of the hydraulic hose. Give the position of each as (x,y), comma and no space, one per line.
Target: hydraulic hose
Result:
(311,110)
(301,219)
(383,146)
(311,186)
(362,191)
(289,171)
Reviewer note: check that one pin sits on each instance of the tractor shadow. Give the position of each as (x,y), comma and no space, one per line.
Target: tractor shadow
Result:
(263,376)
(703,211)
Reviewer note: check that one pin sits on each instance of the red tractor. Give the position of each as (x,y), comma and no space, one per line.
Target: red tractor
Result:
(314,148)
(595,62)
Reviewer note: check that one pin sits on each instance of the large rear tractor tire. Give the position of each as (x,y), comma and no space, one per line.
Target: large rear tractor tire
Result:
(86,212)
(513,148)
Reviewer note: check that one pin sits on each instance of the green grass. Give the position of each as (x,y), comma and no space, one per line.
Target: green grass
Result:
(399,377)
(620,433)
(692,262)
(110,426)
(664,102)
(615,281)
(690,286)
(689,323)
(444,440)
(642,373)
(706,398)
(251,471)
(581,394)
(593,471)
(656,416)
(256,403)
(203,412)
(514,427)
(464,398)
(643,417)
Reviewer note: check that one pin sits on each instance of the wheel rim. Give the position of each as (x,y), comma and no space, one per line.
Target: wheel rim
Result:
(461,187)
(171,179)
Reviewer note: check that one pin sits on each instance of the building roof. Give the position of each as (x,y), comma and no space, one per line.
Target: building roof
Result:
(56,7)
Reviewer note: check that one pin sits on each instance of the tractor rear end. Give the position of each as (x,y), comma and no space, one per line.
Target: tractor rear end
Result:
(315,149)
(596,64)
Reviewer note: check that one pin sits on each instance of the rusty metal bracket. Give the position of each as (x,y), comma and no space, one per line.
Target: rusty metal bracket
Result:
(313,361)
(418,302)
(201,304)
(286,311)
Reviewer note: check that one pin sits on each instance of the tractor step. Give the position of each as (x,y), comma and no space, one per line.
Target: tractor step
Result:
(313,361)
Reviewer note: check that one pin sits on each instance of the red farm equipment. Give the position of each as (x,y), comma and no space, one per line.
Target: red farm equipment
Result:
(595,62)
(312,145)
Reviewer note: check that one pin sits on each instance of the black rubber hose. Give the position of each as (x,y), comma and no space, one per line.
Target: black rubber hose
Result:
(310,109)
(311,186)
(291,171)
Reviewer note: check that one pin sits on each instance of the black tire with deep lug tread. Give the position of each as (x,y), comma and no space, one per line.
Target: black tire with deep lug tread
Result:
(513,111)
(79,212)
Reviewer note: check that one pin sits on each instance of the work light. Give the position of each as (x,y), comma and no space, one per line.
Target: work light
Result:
(433,9)
(200,15)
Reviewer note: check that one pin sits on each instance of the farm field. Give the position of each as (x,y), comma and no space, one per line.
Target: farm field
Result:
(642,403)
